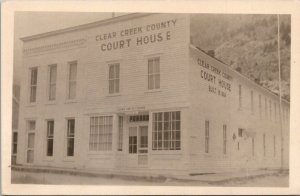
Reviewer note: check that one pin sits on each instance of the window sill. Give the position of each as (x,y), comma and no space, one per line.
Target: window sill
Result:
(208,155)
(95,153)
(31,104)
(153,91)
(48,159)
(50,103)
(69,159)
(69,101)
(113,95)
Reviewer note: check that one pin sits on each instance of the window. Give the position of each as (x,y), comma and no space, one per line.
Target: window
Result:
(206,136)
(14,148)
(259,105)
(70,137)
(166,131)
(72,80)
(264,144)
(139,118)
(14,142)
(240,132)
(120,143)
(30,141)
(274,146)
(275,106)
(100,133)
(114,78)
(253,148)
(224,139)
(52,82)
(33,84)
(154,73)
(50,137)
(270,107)
(252,103)
(132,140)
(266,108)
(240,96)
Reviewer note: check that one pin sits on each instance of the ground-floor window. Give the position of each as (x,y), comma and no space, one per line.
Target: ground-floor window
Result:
(14,147)
(100,133)
(264,144)
(30,147)
(206,136)
(70,137)
(274,145)
(120,142)
(50,137)
(224,139)
(166,131)
(30,127)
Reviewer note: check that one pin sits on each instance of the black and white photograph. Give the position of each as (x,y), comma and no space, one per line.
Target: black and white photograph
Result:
(155,99)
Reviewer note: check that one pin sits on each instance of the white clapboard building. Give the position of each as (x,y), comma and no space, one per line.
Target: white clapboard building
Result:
(131,93)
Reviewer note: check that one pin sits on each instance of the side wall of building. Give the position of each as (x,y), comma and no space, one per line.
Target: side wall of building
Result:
(231,100)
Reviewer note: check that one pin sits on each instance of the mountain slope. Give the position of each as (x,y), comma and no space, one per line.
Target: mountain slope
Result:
(247,43)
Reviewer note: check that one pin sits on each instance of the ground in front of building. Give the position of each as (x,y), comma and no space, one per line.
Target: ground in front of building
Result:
(263,180)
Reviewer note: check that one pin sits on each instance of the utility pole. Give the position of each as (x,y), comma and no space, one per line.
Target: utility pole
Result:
(279,85)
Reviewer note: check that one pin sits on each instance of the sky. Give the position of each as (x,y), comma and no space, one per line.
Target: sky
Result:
(31,23)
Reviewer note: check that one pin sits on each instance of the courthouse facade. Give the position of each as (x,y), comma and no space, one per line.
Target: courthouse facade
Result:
(131,93)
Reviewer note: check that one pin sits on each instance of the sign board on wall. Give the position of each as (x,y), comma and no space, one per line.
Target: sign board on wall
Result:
(136,36)
(219,81)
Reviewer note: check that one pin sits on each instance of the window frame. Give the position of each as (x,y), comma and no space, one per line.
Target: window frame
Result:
(49,137)
(30,131)
(225,139)
(155,75)
(33,86)
(72,82)
(240,97)
(120,132)
(51,84)
(252,101)
(206,137)
(115,79)
(166,133)
(68,137)
(95,142)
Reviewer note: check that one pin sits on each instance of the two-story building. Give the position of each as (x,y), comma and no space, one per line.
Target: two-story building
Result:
(132,93)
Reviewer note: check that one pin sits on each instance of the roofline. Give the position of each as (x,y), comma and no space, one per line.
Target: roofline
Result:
(240,74)
(87,25)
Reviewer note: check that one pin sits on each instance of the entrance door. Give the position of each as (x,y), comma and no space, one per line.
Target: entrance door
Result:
(138,146)
(30,148)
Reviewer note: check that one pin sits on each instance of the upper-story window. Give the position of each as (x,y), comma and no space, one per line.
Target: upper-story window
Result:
(252,103)
(114,78)
(52,82)
(240,96)
(266,108)
(72,80)
(154,73)
(33,84)
(259,105)
(270,107)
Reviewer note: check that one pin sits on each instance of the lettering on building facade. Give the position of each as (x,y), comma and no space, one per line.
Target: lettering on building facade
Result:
(219,81)
(150,33)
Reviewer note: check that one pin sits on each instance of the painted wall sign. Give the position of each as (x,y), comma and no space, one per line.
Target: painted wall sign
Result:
(219,81)
(150,33)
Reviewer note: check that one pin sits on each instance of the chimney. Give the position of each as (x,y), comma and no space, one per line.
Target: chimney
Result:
(211,53)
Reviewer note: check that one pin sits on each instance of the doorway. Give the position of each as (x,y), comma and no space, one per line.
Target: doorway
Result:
(138,146)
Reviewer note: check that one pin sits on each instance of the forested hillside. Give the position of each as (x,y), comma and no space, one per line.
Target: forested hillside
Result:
(247,43)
